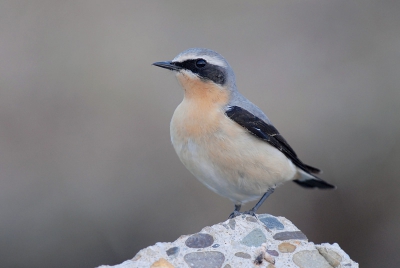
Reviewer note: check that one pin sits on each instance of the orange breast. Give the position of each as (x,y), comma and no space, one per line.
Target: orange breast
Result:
(201,110)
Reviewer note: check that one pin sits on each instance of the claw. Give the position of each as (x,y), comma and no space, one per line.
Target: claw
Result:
(235,214)
(251,213)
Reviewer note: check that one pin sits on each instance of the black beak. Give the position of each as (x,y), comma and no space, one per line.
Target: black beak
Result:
(167,65)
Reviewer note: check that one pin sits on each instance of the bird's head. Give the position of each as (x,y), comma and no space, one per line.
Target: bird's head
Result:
(199,69)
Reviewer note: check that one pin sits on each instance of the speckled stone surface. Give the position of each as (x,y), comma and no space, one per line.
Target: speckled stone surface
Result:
(243,242)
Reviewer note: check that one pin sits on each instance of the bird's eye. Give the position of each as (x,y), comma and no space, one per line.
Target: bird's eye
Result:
(200,63)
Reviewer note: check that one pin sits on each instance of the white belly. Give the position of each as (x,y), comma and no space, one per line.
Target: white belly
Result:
(230,161)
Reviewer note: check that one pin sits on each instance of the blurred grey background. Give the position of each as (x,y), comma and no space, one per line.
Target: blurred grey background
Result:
(87,172)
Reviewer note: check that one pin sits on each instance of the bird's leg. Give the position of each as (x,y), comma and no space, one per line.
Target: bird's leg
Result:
(253,211)
(236,212)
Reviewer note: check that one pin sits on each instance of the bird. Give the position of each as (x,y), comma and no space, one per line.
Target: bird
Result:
(225,140)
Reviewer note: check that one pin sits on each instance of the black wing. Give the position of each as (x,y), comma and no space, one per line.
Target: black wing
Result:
(270,134)
(266,132)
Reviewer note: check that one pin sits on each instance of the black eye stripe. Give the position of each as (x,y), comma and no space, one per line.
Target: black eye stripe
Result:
(204,70)
(189,64)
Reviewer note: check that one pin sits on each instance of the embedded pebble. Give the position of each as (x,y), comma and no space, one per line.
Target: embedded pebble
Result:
(162,263)
(242,255)
(232,224)
(310,259)
(252,219)
(272,223)
(254,239)
(286,247)
(298,235)
(199,240)
(273,252)
(208,259)
(215,245)
(331,256)
(227,266)
(172,251)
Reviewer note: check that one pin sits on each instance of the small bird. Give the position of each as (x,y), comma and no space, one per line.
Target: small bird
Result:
(226,141)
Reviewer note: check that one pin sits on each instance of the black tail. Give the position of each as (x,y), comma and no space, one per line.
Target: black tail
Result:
(315,183)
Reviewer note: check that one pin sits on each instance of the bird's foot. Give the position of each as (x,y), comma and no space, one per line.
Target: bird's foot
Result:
(234,214)
(250,212)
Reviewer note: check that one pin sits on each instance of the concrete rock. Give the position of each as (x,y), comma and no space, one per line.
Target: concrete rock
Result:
(265,241)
